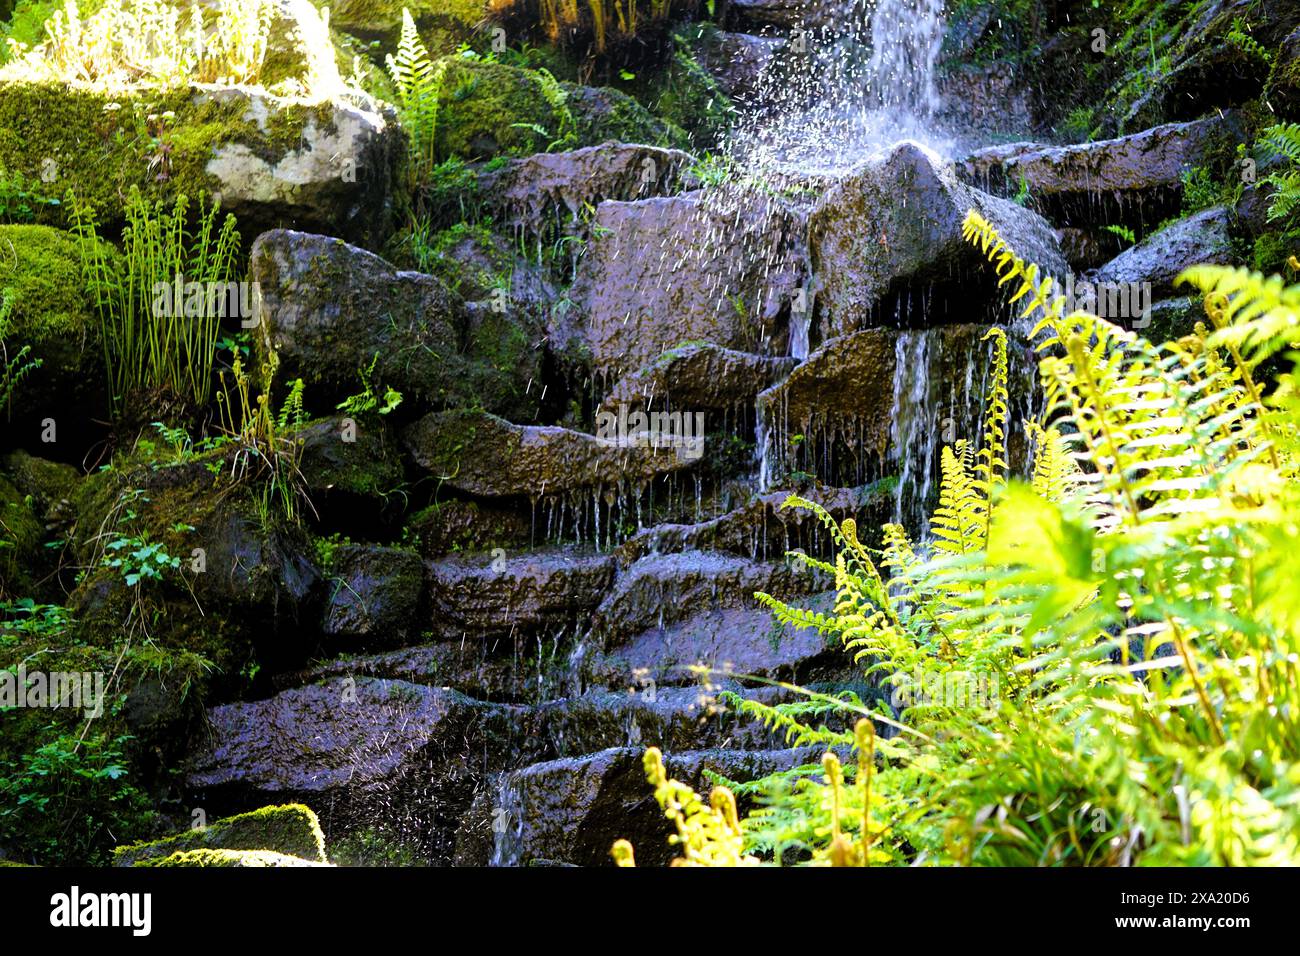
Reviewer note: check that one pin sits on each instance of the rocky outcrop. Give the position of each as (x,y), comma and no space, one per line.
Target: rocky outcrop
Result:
(662,272)
(869,248)
(480,454)
(661,589)
(329,310)
(291,830)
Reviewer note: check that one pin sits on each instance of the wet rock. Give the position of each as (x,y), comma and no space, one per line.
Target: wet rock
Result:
(375,596)
(985,101)
(740,641)
(1085,249)
(788,15)
(740,62)
(699,376)
(517,594)
(661,589)
(662,272)
(449,526)
(1160,258)
(602,114)
(345,457)
(480,454)
(539,189)
(1171,319)
(1283,89)
(570,811)
(893,224)
(360,752)
(762,528)
(329,309)
(1133,166)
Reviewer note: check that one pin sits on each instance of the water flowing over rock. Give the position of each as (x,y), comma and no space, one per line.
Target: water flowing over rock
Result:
(1072,178)
(699,376)
(893,224)
(329,310)
(662,272)
(570,811)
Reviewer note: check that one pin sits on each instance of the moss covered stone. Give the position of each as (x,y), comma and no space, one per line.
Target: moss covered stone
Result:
(239,858)
(488,109)
(291,829)
(602,113)
(20,540)
(41,279)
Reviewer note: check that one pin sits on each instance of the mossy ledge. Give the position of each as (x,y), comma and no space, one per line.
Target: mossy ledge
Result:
(288,830)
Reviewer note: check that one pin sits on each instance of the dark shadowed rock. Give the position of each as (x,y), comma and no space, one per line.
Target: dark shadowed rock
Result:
(348,457)
(329,309)
(663,272)
(787,15)
(517,594)
(739,62)
(895,222)
(570,811)
(360,752)
(1161,257)
(374,597)
(480,454)
(697,377)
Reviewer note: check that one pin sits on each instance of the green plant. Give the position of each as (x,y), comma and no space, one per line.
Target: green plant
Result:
(1124,233)
(161,306)
(19,199)
(71,799)
(130,42)
(13,368)
(1283,140)
(1096,666)
(366,400)
(419,83)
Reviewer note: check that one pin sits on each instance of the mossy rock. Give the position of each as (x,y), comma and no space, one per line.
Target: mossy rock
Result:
(291,830)
(42,281)
(687,96)
(488,109)
(238,858)
(602,113)
(382,16)
(20,541)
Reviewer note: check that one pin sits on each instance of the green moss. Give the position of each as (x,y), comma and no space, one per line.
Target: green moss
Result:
(604,113)
(487,109)
(688,97)
(291,829)
(20,540)
(207,858)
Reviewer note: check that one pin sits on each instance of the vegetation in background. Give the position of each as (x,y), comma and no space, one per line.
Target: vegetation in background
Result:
(13,367)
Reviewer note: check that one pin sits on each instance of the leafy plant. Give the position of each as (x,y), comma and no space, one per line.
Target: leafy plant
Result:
(419,83)
(13,368)
(19,199)
(1283,140)
(367,400)
(154,339)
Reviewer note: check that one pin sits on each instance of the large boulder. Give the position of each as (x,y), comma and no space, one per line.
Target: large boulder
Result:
(480,454)
(1163,256)
(661,272)
(360,751)
(699,376)
(272,161)
(375,596)
(891,229)
(328,309)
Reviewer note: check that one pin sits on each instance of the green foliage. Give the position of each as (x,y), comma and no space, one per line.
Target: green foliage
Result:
(155,341)
(418,82)
(367,400)
(20,201)
(15,367)
(69,800)
(1096,667)
(1283,140)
